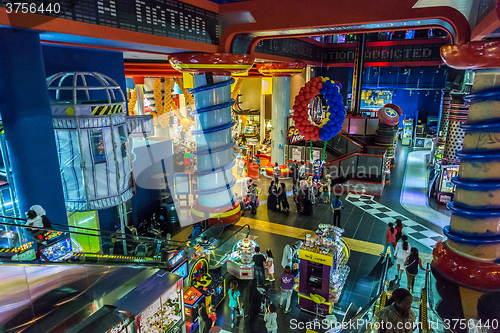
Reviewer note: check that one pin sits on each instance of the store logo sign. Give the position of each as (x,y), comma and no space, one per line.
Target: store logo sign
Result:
(293,134)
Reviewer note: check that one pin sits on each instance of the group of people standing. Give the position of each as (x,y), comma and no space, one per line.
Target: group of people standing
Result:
(276,199)
(407,258)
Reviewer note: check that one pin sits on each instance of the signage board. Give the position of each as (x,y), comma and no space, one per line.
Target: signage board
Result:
(293,134)
(316,257)
(168,18)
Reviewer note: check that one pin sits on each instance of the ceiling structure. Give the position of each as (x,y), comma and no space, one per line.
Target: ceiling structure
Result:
(238,26)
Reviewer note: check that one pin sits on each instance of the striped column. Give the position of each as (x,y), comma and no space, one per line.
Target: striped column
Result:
(213,124)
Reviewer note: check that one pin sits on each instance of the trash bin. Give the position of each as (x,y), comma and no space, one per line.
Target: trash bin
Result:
(171,205)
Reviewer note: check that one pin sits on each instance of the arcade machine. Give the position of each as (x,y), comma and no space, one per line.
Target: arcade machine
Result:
(239,262)
(192,300)
(157,305)
(59,246)
(446,189)
(209,283)
(322,269)
(407,132)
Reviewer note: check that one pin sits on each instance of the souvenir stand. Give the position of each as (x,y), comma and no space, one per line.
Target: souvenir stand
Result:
(239,262)
(323,269)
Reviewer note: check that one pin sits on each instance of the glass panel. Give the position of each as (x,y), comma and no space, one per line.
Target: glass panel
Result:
(123,140)
(97,145)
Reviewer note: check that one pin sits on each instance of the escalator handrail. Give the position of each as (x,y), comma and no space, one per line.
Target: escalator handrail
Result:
(234,233)
(430,301)
(103,233)
(117,237)
(370,305)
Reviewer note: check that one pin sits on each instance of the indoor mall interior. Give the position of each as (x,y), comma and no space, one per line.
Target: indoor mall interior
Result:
(250,166)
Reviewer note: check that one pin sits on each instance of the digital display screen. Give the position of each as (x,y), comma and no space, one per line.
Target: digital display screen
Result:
(169,18)
(175,258)
(182,270)
(341,39)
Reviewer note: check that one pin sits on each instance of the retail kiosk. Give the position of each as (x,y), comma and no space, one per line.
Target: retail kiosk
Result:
(322,269)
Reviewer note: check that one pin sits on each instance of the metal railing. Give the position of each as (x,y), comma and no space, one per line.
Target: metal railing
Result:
(22,243)
(366,313)
(433,321)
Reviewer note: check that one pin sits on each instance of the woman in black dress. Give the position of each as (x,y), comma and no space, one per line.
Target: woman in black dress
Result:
(272,198)
(282,198)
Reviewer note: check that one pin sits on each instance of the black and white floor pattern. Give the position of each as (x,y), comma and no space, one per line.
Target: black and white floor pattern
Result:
(413,229)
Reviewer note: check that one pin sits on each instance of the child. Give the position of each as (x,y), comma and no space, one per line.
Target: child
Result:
(212,314)
(270,319)
(246,202)
(269,265)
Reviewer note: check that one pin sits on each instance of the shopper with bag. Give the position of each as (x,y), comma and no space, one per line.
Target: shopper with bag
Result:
(413,262)
(234,301)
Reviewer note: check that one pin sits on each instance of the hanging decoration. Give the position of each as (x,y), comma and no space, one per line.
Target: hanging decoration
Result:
(236,88)
(132,101)
(331,122)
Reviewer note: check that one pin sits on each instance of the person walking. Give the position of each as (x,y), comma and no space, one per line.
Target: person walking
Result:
(282,198)
(252,300)
(336,208)
(327,189)
(287,281)
(397,316)
(294,170)
(302,170)
(390,237)
(401,252)
(258,260)
(276,173)
(399,231)
(412,263)
(253,197)
(234,301)
(270,319)
(241,166)
(287,257)
(269,265)
(205,323)
(272,198)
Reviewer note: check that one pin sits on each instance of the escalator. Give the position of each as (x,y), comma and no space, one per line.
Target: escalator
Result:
(428,320)
(78,282)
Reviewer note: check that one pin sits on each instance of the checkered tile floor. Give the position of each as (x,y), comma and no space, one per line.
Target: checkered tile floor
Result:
(413,229)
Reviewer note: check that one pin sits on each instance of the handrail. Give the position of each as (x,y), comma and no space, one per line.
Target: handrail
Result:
(430,303)
(370,304)
(100,232)
(117,237)
(341,158)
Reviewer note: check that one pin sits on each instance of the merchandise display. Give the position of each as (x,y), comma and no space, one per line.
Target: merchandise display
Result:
(239,262)
(323,269)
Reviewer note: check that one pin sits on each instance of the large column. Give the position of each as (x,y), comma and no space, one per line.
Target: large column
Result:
(281,73)
(27,120)
(470,255)
(139,89)
(213,123)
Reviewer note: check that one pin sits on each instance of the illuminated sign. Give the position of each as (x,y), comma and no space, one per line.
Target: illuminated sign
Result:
(293,134)
(316,257)
(182,270)
(171,18)
(175,258)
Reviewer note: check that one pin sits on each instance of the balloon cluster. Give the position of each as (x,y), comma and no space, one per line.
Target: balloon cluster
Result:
(336,109)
